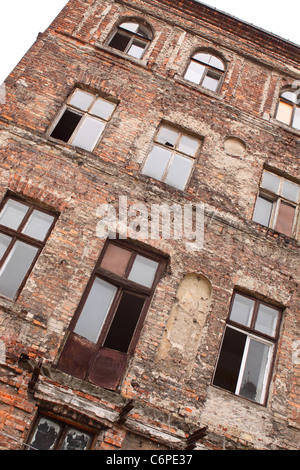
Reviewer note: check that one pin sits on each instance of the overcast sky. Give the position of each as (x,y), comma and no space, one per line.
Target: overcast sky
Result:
(22,20)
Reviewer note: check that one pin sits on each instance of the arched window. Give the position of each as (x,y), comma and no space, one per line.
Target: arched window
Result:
(288,110)
(205,70)
(132,38)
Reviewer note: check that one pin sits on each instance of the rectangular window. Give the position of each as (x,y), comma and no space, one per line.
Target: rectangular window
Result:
(172,157)
(277,204)
(106,325)
(83,120)
(52,434)
(247,349)
(24,230)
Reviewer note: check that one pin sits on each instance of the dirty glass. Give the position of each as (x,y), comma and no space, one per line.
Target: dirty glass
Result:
(267,319)
(263,211)
(242,310)
(88,133)
(102,108)
(143,271)
(157,162)
(290,191)
(285,218)
(38,225)
(13,213)
(75,440)
(252,383)
(115,259)
(179,171)
(271,182)
(81,100)
(46,435)
(167,136)
(188,145)
(4,243)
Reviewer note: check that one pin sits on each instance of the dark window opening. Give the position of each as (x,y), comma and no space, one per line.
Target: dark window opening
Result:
(119,41)
(66,126)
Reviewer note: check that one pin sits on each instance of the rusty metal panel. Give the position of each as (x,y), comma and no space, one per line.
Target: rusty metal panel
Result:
(107,368)
(285,219)
(76,356)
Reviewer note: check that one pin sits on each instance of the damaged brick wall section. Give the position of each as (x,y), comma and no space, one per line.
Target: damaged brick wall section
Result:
(120,108)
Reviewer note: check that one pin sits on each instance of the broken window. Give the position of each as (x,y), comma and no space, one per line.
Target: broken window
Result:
(247,350)
(83,120)
(132,38)
(24,230)
(205,70)
(277,203)
(288,109)
(52,434)
(172,157)
(106,325)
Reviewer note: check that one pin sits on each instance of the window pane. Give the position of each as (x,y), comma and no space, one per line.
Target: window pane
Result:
(4,242)
(284,112)
(296,119)
(266,321)
(290,96)
(179,172)
(120,41)
(95,310)
(242,310)
(66,125)
(102,108)
(255,370)
(188,145)
(136,49)
(211,82)
(15,268)
(13,213)
(143,271)
(75,440)
(217,63)
(290,191)
(46,434)
(285,219)
(81,100)
(156,163)
(230,359)
(38,225)
(133,27)
(271,182)
(115,259)
(194,72)
(88,133)
(262,211)
(167,136)
(202,57)
(124,323)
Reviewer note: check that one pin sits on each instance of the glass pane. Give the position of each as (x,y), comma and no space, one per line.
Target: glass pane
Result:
(12,214)
(230,359)
(290,191)
(217,63)
(296,119)
(290,96)
(284,112)
(167,136)
(211,82)
(81,100)
(46,434)
(202,57)
(194,72)
(188,145)
(66,125)
(88,133)
(242,310)
(255,369)
(136,49)
(102,108)
(263,211)
(38,225)
(75,440)
(15,268)
(115,259)
(156,163)
(4,242)
(179,172)
(124,323)
(266,321)
(95,310)
(271,182)
(143,271)
(133,27)
(285,219)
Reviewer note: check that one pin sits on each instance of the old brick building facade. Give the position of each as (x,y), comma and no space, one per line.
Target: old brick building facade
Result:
(150,342)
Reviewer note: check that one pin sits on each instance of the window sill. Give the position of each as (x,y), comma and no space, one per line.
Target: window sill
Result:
(199,88)
(285,127)
(274,234)
(122,55)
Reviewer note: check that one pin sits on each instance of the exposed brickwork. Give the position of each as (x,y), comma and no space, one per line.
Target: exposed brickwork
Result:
(173,394)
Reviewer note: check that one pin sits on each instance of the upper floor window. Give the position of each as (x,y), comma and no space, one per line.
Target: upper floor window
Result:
(288,110)
(24,230)
(132,38)
(83,119)
(109,318)
(248,348)
(172,157)
(277,203)
(205,70)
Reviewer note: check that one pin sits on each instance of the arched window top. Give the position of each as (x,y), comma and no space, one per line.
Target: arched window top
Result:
(206,70)
(131,37)
(288,109)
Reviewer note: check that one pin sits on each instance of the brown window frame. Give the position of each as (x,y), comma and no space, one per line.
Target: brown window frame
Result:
(17,235)
(74,340)
(251,333)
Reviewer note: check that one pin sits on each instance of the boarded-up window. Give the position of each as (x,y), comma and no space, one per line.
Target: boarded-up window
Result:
(107,323)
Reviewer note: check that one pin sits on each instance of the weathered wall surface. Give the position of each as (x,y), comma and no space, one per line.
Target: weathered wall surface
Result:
(170,374)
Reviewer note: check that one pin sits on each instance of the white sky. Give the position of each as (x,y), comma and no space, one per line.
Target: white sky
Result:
(22,20)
